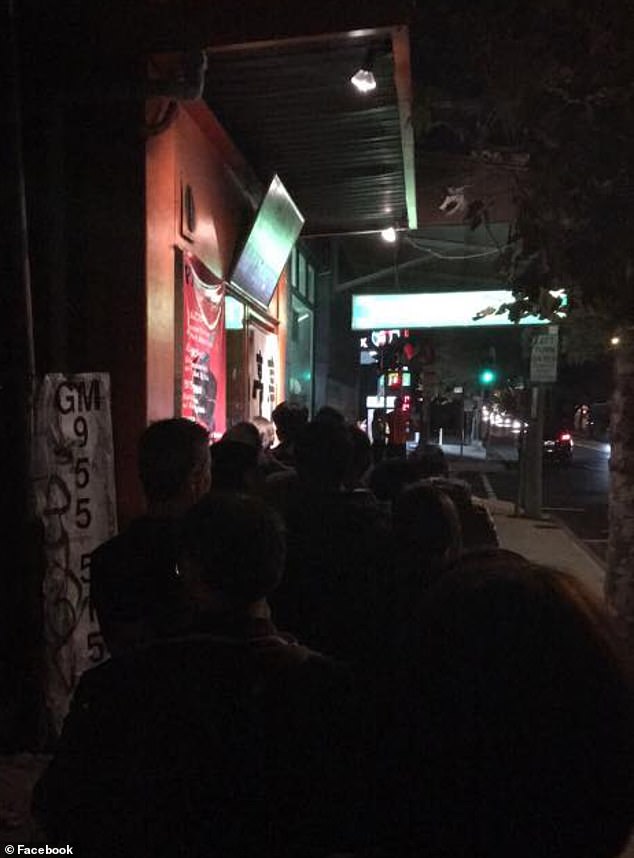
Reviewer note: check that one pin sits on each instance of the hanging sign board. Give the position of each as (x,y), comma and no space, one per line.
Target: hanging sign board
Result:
(544,352)
(73,481)
(204,349)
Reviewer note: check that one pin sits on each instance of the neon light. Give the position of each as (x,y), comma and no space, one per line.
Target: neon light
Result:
(433,310)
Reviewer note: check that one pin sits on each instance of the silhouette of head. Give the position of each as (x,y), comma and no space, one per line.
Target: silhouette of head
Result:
(329,413)
(289,418)
(233,550)
(516,732)
(388,479)
(234,465)
(266,430)
(173,461)
(245,432)
(426,524)
(323,452)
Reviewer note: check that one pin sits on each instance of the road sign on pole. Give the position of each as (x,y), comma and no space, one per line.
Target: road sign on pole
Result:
(544,353)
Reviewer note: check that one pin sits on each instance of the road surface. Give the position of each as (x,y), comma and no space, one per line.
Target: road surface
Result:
(576,494)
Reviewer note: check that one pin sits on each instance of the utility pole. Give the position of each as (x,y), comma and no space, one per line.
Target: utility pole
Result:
(20,584)
(533,455)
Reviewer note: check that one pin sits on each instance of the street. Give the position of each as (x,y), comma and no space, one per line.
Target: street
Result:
(576,494)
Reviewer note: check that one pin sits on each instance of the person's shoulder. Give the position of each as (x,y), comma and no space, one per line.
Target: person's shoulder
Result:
(282,475)
(361,508)
(111,547)
(142,534)
(311,682)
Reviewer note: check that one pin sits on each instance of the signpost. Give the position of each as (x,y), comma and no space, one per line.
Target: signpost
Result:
(543,371)
(544,352)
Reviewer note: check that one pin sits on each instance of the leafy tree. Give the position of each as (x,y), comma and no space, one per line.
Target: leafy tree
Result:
(555,80)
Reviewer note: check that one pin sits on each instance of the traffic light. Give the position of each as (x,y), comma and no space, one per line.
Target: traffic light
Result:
(487,376)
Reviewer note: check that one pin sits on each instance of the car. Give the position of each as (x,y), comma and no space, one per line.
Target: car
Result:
(558,445)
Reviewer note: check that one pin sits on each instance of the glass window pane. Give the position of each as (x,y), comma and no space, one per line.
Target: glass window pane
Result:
(300,354)
(234,313)
(236,379)
(293,267)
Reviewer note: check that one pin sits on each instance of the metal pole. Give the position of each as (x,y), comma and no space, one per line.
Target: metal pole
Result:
(533,479)
(21,603)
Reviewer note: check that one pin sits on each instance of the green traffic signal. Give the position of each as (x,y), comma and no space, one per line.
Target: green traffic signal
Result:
(487,376)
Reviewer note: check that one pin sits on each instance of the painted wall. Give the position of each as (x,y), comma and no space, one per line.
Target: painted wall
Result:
(89,290)
(194,151)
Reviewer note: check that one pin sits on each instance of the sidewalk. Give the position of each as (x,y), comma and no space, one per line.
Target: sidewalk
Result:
(546,541)
(549,542)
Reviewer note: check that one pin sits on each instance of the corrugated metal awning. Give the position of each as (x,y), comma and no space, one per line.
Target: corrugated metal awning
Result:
(346,158)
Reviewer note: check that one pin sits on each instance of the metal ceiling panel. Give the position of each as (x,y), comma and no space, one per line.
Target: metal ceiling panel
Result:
(291,109)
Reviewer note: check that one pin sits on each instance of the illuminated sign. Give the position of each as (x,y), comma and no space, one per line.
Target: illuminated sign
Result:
(273,234)
(369,344)
(396,380)
(399,378)
(382,338)
(376,339)
(434,310)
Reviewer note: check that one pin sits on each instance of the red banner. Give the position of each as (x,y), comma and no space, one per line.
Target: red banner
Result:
(204,350)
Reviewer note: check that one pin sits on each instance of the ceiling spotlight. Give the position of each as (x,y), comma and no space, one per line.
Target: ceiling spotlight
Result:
(363,80)
(615,341)
(389,234)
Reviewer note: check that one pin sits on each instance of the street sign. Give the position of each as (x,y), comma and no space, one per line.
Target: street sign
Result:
(544,353)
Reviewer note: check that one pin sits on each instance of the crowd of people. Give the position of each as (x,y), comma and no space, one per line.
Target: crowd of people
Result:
(317,654)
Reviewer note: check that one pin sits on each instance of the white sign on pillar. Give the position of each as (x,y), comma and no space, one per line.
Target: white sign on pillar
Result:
(544,353)
(73,480)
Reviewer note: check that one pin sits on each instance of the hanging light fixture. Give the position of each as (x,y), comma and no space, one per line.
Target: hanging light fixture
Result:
(363,79)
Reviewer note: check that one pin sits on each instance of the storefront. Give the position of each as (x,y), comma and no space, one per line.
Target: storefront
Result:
(217,280)
(254,365)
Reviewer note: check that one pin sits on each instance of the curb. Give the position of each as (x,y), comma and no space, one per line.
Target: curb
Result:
(576,539)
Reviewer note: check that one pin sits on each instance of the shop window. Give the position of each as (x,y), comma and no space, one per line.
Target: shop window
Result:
(234,314)
(301,274)
(293,268)
(236,351)
(300,353)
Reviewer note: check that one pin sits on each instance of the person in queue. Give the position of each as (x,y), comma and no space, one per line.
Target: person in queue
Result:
(267,462)
(510,726)
(231,739)
(289,418)
(235,461)
(337,546)
(135,584)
